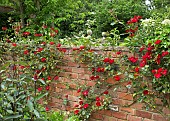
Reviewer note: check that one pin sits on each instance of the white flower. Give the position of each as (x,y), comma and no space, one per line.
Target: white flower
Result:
(147,22)
(89,32)
(166,22)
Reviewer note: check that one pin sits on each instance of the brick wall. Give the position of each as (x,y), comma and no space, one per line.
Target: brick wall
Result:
(75,73)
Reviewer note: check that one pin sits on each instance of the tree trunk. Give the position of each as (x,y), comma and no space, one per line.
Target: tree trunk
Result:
(21,7)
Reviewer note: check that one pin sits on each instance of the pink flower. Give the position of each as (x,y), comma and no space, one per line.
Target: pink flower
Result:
(157,42)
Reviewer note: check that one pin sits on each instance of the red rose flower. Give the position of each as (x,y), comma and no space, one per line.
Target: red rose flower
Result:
(97,99)
(39,89)
(26,33)
(106,92)
(43,43)
(47,88)
(47,108)
(40,49)
(86,106)
(133,59)
(79,90)
(157,42)
(43,59)
(85,93)
(58,45)
(82,47)
(49,77)
(52,43)
(117,77)
(157,75)
(111,61)
(56,78)
(142,63)
(145,92)
(137,69)
(98,103)
(26,52)
(76,112)
(14,44)
(106,60)
(56,31)
(164,72)
(118,53)
(76,106)
(81,102)
(38,35)
(164,53)
(141,49)
(4,28)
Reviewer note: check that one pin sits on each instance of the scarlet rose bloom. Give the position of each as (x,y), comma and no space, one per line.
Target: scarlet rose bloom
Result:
(76,112)
(43,59)
(133,59)
(141,49)
(49,77)
(38,35)
(39,89)
(26,33)
(142,63)
(79,90)
(164,53)
(145,92)
(56,78)
(164,72)
(26,52)
(58,45)
(14,44)
(8,41)
(52,43)
(157,42)
(76,106)
(117,77)
(97,99)
(86,106)
(82,47)
(111,61)
(106,60)
(40,49)
(98,103)
(47,88)
(81,102)
(85,93)
(47,108)
(43,43)
(56,31)
(118,53)
(137,69)
(4,28)
(157,75)
(106,92)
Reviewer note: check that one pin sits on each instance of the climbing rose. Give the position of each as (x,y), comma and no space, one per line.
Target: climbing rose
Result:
(86,106)
(58,45)
(111,61)
(49,77)
(106,92)
(40,49)
(98,103)
(164,53)
(56,78)
(79,90)
(118,53)
(38,35)
(145,92)
(43,59)
(133,59)
(81,102)
(26,52)
(14,44)
(137,69)
(26,33)
(52,43)
(76,112)
(106,60)
(47,88)
(97,99)
(157,42)
(82,47)
(117,77)
(157,75)
(39,89)
(85,93)
(4,28)
(47,108)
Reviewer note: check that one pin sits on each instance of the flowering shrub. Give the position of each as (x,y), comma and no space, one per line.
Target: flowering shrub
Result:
(27,69)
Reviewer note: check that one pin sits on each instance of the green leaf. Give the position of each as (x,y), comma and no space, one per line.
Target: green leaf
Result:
(30,105)
(9,111)
(40,96)
(36,113)
(42,81)
(12,116)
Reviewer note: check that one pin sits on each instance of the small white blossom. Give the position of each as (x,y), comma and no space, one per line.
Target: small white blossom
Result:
(166,22)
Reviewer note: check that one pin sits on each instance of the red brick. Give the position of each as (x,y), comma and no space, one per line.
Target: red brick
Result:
(133,118)
(72,64)
(78,70)
(111,81)
(158,117)
(145,119)
(107,118)
(120,115)
(73,75)
(61,86)
(125,96)
(122,89)
(73,98)
(137,105)
(72,86)
(97,116)
(58,90)
(56,100)
(75,93)
(128,110)
(90,83)
(166,111)
(121,102)
(106,112)
(121,120)
(84,76)
(143,114)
